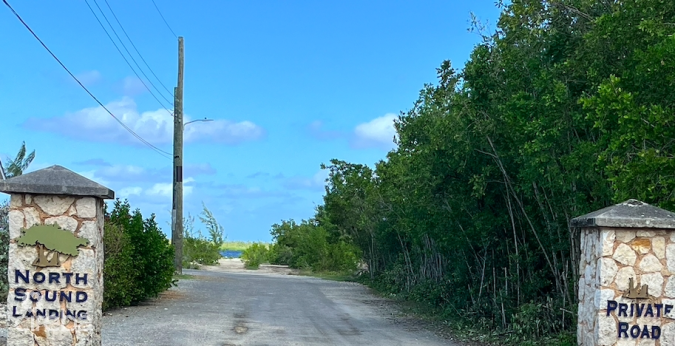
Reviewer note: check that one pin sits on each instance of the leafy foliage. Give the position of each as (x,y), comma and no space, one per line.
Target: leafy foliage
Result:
(197,249)
(138,257)
(255,255)
(215,230)
(119,271)
(565,109)
(150,252)
(308,245)
(20,163)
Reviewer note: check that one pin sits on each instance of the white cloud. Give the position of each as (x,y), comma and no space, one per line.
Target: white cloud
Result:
(316,182)
(199,169)
(161,189)
(240,191)
(95,124)
(129,191)
(132,86)
(222,131)
(379,132)
(166,189)
(120,171)
(89,77)
(187,189)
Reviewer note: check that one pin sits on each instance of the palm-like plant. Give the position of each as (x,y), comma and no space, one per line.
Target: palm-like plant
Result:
(16,167)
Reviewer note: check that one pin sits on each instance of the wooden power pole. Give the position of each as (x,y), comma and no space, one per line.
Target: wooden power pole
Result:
(177,212)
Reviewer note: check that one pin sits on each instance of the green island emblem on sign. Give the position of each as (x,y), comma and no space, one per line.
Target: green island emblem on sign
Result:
(50,240)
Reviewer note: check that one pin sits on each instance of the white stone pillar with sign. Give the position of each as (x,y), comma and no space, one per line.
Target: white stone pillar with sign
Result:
(626,284)
(55,266)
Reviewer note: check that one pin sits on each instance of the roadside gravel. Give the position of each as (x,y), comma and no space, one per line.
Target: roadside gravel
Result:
(229,306)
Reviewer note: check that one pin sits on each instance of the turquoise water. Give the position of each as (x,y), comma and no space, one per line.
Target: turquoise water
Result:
(230,253)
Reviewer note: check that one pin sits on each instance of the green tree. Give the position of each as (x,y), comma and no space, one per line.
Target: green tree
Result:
(216,230)
(20,162)
(198,249)
(563,110)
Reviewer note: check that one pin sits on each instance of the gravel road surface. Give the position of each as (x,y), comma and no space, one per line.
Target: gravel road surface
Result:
(227,305)
(243,308)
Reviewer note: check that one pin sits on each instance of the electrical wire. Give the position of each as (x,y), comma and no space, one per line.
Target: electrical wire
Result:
(160,151)
(165,22)
(125,58)
(136,49)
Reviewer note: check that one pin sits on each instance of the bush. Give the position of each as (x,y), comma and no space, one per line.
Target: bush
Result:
(138,257)
(308,245)
(118,271)
(216,231)
(151,256)
(280,254)
(198,249)
(255,255)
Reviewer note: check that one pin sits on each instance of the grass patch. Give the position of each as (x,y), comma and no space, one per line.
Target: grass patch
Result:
(333,276)
(237,245)
(183,277)
(451,326)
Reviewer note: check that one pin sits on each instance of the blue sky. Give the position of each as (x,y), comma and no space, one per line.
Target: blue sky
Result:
(289,84)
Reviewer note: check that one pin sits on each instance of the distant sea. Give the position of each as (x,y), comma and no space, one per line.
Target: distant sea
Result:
(231,254)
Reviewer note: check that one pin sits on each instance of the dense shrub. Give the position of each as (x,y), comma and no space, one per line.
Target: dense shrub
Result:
(198,249)
(255,255)
(138,257)
(565,109)
(308,245)
(119,271)
(150,252)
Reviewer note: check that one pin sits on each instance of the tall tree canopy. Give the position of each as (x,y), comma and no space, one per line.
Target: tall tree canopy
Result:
(565,109)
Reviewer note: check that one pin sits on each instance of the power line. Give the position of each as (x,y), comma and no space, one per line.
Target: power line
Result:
(125,58)
(160,151)
(136,49)
(165,22)
(127,50)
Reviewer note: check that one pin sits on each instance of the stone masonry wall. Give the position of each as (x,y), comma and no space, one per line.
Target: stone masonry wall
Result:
(84,217)
(589,283)
(610,257)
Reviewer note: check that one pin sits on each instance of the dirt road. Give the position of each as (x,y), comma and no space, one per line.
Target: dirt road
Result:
(230,306)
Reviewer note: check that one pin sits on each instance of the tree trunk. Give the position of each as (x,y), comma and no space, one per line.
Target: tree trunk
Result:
(42,260)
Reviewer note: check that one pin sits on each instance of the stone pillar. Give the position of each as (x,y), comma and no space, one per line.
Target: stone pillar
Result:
(55,258)
(626,283)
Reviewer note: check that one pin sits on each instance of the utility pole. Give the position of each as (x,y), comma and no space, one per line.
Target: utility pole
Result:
(177,212)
